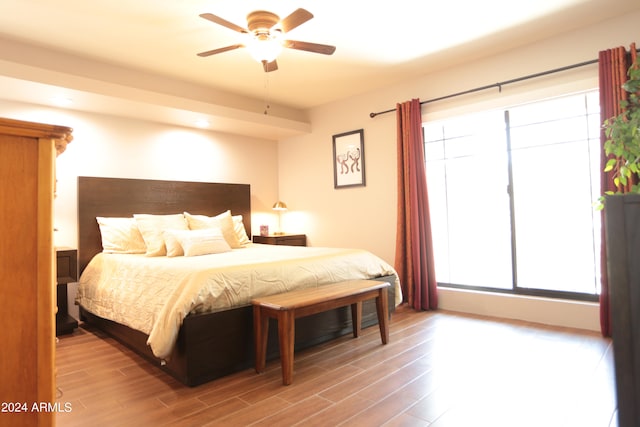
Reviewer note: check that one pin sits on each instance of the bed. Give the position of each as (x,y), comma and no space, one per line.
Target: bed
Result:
(200,350)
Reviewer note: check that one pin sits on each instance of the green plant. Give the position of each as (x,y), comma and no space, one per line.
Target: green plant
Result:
(623,139)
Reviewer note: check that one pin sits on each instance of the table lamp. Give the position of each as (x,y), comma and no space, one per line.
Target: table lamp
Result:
(279,206)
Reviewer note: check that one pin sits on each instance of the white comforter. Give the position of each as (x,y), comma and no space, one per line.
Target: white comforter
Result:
(154,294)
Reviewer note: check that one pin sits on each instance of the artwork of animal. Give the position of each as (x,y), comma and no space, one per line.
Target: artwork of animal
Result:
(342,161)
(354,155)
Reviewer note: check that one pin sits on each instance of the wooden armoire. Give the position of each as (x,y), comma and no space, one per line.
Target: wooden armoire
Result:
(27,271)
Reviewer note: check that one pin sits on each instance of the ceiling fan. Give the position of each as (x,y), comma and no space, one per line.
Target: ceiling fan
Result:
(265,36)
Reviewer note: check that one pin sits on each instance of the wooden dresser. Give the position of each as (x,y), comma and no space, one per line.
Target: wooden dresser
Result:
(27,271)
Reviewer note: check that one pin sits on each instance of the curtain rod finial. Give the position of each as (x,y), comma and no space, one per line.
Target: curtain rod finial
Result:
(372,115)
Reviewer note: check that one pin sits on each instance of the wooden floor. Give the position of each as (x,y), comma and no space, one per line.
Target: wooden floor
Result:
(439,369)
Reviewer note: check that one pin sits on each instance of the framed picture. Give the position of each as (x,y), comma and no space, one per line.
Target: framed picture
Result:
(348,159)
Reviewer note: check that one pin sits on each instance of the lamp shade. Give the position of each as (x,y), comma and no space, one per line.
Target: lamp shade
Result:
(264,47)
(279,206)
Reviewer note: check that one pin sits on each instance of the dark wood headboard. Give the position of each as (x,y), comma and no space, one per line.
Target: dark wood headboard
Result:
(116,197)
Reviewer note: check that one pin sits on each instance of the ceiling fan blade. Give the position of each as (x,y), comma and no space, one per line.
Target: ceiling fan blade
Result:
(269,66)
(324,49)
(298,17)
(216,19)
(220,50)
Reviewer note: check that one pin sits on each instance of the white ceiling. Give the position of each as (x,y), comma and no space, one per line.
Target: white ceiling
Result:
(103,47)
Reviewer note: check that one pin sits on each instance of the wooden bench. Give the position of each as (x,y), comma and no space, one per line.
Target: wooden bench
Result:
(288,306)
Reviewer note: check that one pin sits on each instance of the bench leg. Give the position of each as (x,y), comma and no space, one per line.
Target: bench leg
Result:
(356,318)
(286,337)
(260,335)
(382,307)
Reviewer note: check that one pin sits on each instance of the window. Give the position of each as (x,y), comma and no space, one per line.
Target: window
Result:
(511,196)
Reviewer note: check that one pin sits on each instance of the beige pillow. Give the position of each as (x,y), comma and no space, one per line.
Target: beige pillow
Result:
(223,221)
(200,242)
(241,233)
(152,228)
(121,236)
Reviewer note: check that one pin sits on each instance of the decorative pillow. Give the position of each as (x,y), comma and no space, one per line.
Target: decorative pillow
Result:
(223,221)
(241,233)
(172,244)
(152,228)
(201,242)
(121,236)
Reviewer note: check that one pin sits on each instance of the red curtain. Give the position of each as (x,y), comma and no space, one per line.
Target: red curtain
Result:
(414,249)
(613,65)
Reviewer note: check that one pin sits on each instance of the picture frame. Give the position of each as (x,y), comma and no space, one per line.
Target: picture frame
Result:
(348,159)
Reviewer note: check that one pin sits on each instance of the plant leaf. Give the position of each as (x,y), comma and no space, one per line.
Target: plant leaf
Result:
(610,164)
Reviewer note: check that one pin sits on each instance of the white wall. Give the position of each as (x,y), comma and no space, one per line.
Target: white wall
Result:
(347,217)
(108,146)
(366,216)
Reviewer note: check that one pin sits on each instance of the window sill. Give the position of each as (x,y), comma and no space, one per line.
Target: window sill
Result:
(549,311)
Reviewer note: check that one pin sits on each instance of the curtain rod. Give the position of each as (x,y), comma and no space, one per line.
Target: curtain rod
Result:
(498,85)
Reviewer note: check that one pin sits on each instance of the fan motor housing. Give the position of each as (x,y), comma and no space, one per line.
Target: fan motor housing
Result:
(261,20)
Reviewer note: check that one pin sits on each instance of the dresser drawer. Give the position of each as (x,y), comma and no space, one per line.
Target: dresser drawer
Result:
(282,239)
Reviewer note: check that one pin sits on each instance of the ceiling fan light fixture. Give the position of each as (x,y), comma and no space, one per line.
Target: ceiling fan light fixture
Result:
(265,35)
(264,46)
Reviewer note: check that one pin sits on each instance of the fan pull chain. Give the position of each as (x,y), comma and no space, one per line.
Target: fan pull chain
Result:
(266,91)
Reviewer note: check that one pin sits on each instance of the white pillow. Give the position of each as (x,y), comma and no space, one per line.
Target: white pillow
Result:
(201,242)
(241,233)
(174,248)
(121,236)
(152,228)
(223,221)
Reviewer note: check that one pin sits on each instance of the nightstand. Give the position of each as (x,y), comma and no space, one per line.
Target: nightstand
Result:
(282,239)
(67,272)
